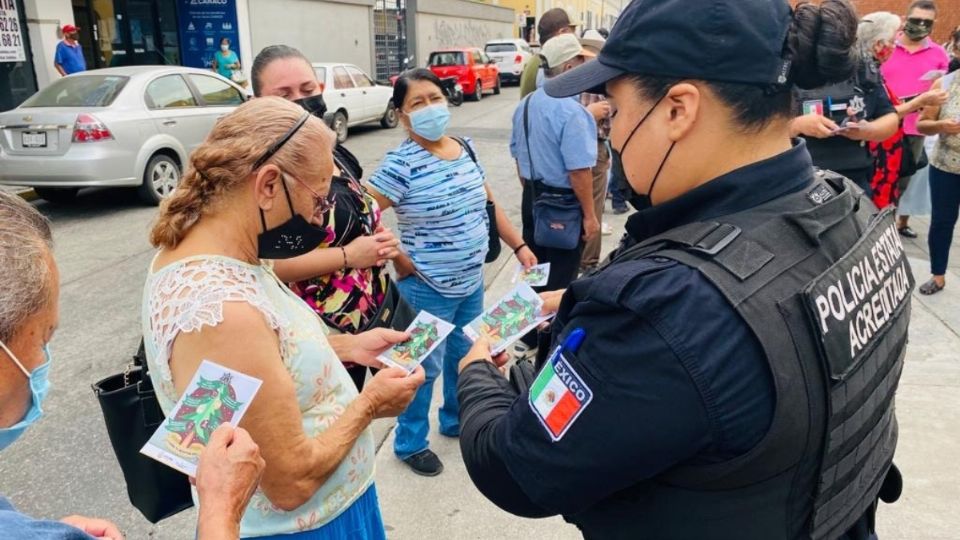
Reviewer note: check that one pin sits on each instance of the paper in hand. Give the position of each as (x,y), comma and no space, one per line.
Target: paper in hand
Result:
(933,75)
(426,334)
(215,395)
(535,276)
(509,319)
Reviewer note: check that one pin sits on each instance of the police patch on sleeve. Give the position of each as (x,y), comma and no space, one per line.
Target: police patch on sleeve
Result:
(857,299)
(558,396)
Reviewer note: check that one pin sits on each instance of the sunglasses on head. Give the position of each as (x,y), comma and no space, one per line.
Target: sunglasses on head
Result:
(918,21)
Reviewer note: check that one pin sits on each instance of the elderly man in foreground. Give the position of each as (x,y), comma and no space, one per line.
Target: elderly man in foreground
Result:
(231,465)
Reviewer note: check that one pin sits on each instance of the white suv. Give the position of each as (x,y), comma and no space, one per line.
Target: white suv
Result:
(511,56)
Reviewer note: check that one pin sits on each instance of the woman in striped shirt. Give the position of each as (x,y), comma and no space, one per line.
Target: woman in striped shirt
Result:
(438,191)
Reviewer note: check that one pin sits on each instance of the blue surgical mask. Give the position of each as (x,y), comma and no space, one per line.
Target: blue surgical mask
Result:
(430,122)
(39,385)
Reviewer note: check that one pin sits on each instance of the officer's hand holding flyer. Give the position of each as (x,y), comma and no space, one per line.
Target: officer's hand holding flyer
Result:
(509,319)
(426,334)
(215,395)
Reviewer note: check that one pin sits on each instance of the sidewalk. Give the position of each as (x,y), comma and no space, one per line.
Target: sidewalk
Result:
(449,507)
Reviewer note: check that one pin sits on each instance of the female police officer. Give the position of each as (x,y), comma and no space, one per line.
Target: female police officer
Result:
(730,372)
(839,119)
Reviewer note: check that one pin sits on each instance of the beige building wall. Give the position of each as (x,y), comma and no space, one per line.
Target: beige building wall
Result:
(325,30)
(45,18)
(454,23)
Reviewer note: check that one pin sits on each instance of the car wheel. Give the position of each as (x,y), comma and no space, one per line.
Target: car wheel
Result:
(160,179)
(340,126)
(57,195)
(390,120)
(478,91)
(496,87)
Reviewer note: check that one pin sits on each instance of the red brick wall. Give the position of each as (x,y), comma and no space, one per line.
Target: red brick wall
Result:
(948,13)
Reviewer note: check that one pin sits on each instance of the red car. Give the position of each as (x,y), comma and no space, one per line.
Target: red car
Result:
(475,71)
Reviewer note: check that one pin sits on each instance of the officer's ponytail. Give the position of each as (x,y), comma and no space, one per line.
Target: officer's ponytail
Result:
(820,43)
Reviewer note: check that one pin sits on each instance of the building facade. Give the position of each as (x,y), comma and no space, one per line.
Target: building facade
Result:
(587,13)
(375,35)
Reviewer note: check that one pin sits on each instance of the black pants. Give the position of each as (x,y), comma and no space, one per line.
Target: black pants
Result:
(564,263)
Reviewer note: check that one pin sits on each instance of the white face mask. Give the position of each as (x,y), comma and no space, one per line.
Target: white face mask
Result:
(224,48)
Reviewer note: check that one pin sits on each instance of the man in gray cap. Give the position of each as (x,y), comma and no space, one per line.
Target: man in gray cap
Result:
(552,24)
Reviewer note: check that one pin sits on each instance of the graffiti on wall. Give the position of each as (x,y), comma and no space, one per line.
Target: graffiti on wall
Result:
(459,33)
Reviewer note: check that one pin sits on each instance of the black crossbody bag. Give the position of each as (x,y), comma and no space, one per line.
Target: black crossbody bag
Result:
(557,216)
(493,241)
(132,414)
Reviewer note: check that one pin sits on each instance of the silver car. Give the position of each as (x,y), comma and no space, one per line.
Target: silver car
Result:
(130,126)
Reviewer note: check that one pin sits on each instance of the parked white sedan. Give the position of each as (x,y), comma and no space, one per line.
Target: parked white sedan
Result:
(511,56)
(128,126)
(353,98)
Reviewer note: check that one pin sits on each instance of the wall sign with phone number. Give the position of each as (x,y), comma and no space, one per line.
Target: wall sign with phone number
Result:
(11,37)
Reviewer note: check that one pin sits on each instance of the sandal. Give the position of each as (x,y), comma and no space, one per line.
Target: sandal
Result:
(931,287)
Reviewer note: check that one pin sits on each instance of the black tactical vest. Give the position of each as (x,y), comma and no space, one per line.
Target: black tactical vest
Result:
(823,281)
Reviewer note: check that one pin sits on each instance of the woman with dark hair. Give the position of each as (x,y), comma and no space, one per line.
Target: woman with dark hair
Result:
(953,49)
(838,120)
(438,190)
(708,381)
(226,62)
(343,280)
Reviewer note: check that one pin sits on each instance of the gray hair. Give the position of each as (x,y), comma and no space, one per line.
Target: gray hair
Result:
(876,27)
(25,241)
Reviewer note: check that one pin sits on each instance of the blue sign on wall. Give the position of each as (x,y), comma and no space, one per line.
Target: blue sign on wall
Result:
(203,23)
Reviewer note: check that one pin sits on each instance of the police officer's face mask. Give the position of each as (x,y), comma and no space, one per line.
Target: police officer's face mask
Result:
(637,200)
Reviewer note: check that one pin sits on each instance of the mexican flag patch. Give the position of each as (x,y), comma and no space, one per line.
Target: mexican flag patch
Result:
(558,396)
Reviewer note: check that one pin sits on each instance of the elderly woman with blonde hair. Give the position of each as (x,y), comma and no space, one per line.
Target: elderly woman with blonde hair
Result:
(29,313)
(247,196)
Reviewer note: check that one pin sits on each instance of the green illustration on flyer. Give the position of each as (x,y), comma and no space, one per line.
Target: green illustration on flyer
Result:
(509,317)
(423,336)
(212,403)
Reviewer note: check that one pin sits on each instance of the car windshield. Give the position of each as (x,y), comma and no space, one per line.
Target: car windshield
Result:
(79,91)
(447,59)
(500,48)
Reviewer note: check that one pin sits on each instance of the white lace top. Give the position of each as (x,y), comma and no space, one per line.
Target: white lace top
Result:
(189,294)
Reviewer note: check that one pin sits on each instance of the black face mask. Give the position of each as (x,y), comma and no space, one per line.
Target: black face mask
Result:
(292,238)
(314,105)
(917,32)
(636,200)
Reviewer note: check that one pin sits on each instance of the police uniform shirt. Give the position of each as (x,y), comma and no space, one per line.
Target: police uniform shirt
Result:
(676,375)
(864,94)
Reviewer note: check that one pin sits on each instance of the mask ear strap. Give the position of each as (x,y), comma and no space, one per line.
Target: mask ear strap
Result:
(14,358)
(659,170)
(642,120)
(283,182)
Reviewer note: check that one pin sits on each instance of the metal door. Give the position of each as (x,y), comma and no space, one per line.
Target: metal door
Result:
(389,37)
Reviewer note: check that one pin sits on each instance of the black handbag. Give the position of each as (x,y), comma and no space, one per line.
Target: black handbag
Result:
(493,239)
(132,414)
(910,163)
(395,312)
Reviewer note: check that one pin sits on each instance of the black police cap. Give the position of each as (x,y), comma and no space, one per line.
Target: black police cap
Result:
(738,41)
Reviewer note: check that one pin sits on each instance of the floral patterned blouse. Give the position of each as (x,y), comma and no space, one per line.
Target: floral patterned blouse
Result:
(347,299)
(947,156)
(189,294)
